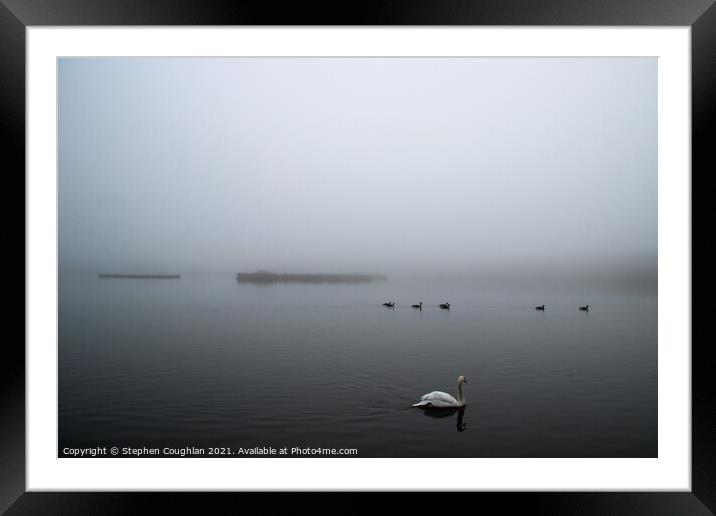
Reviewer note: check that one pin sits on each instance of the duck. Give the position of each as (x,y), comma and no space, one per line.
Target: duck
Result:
(390,304)
(420,306)
(584,308)
(539,308)
(439,399)
(445,306)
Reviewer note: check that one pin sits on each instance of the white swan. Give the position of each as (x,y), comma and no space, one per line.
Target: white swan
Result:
(438,399)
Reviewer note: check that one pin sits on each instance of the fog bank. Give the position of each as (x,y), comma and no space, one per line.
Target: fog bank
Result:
(485,167)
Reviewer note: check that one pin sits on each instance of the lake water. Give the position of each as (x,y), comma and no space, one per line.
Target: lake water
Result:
(209,362)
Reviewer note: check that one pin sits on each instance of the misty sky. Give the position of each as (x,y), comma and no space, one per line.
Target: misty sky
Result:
(355,164)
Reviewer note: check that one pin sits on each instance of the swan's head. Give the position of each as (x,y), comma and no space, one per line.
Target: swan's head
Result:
(460,394)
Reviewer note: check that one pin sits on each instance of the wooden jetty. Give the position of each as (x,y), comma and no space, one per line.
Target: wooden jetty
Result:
(141,276)
(271,277)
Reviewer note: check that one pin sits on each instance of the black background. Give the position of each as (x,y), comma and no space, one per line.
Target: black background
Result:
(15,15)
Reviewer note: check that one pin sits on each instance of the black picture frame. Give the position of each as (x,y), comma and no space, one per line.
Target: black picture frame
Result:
(16,15)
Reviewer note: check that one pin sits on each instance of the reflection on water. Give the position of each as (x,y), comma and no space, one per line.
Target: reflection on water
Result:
(440,413)
(211,362)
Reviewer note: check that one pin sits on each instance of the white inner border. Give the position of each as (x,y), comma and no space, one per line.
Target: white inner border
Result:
(670,471)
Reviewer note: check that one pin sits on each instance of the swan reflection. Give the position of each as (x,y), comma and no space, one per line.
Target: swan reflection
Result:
(440,413)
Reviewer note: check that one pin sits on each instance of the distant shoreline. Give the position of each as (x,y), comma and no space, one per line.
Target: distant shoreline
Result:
(271,277)
(141,276)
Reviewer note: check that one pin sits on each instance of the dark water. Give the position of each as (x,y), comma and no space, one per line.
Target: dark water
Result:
(207,362)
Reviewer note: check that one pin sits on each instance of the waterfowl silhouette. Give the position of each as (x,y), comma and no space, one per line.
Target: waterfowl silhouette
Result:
(439,399)
(539,308)
(584,308)
(420,306)
(390,304)
(445,306)
(445,413)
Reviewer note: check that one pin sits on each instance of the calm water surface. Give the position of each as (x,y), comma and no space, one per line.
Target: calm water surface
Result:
(205,361)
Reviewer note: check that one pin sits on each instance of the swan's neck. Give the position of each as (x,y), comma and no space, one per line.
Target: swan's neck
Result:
(460,394)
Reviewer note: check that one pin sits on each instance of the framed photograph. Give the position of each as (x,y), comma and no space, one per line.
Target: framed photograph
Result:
(425,248)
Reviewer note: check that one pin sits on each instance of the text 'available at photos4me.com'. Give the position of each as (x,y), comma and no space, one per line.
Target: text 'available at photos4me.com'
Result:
(193,451)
